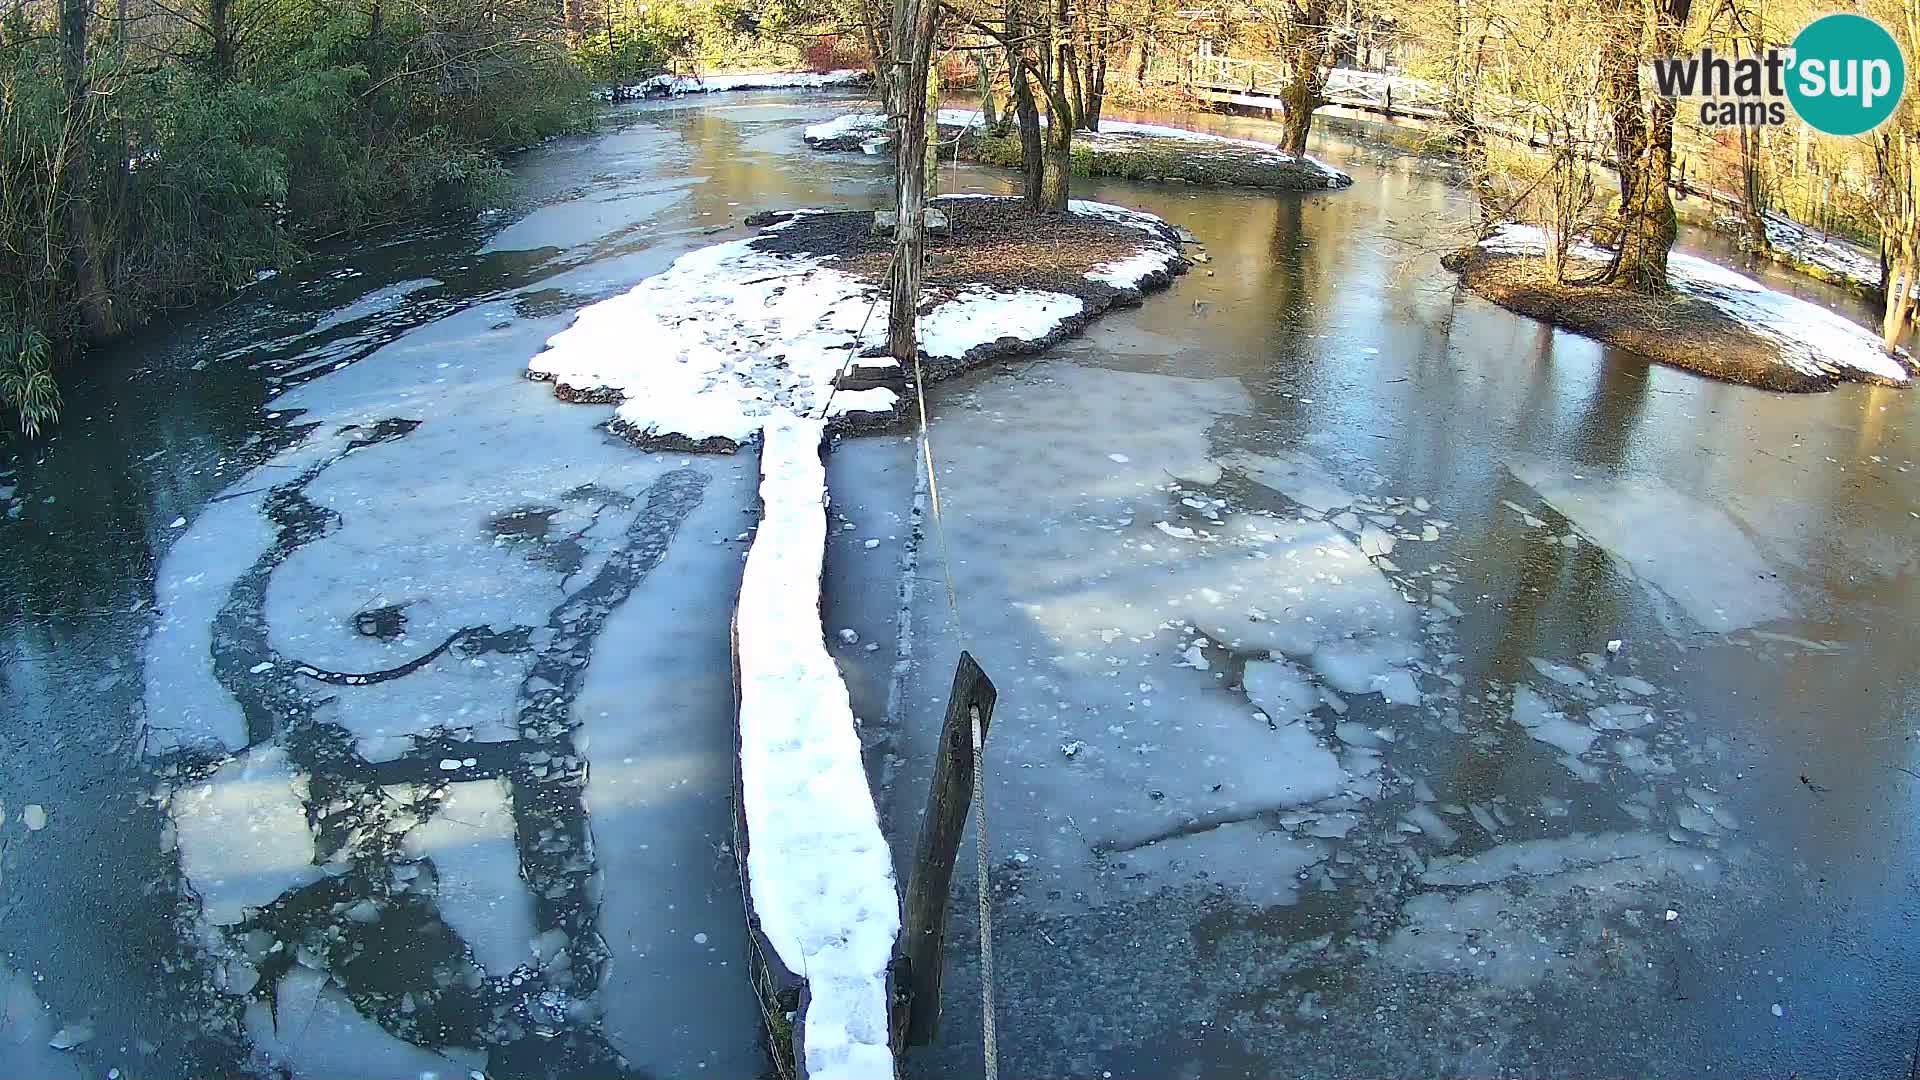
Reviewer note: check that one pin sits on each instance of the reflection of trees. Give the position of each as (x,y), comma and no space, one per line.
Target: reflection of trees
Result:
(1548,578)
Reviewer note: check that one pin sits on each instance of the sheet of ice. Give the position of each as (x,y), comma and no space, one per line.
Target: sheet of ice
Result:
(1279,689)
(1689,552)
(1296,475)
(470,839)
(1308,587)
(656,720)
(1514,914)
(1094,607)
(243,834)
(820,872)
(1370,665)
(314,1032)
(1255,862)
(26,1028)
(1812,339)
(185,704)
(1549,725)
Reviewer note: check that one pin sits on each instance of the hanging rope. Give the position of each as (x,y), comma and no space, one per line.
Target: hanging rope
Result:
(989,1038)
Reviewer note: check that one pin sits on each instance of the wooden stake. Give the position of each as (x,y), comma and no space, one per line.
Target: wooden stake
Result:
(929,888)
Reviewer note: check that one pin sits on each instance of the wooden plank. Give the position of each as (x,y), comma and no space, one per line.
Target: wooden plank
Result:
(930,886)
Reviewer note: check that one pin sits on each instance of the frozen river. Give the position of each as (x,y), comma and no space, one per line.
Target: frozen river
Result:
(1389,685)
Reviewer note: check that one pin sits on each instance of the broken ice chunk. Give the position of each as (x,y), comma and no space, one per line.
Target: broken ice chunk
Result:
(1279,689)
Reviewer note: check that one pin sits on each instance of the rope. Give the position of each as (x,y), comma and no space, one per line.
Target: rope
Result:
(991,1043)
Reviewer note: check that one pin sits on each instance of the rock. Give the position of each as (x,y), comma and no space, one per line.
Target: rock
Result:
(934,219)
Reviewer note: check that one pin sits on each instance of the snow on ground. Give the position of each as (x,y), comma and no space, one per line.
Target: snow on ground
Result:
(1812,339)
(676,85)
(730,336)
(726,337)
(1837,257)
(820,872)
(1689,553)
(1117,136)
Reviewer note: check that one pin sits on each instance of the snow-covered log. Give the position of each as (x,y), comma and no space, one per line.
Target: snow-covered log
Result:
(814,869)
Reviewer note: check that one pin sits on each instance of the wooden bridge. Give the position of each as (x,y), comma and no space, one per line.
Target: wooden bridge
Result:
(1230,80)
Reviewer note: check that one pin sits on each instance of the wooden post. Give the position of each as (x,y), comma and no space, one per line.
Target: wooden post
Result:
(930,886)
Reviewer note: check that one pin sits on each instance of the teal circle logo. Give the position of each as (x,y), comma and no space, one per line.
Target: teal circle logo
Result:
(1847,74)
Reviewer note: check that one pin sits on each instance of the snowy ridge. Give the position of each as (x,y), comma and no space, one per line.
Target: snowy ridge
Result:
(1812,339)
(819,870)
(872,124)
(676,85)
(730,336)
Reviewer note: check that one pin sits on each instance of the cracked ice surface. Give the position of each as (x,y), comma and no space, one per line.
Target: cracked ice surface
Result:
(1098,596)
(470,840)
(1514,913)
(1687,552)
(314,1031)
(243,834)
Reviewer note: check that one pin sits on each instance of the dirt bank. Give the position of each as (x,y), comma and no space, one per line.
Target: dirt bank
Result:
(1676,329)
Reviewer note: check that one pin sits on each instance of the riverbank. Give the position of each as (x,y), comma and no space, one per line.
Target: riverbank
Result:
(1714,321)
(791,318)
(1120,149)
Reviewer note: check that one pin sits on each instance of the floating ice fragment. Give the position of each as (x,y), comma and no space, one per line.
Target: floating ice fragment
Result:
(1072,748)
(449,764)
(1118,459)
(34,816)
(871,544)
(848,635)
(260,668)
(1672,915)
(71,1036)
(1178,532)
(178,523)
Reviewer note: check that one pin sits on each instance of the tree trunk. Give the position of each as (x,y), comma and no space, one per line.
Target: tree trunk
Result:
(219,30)
(1296,118)
(914,22)
(1097,63)
(989,107)
(1643,142)
(83,246)
(1309,45)
(1899,311)
(879,57)
(1032,157)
